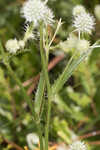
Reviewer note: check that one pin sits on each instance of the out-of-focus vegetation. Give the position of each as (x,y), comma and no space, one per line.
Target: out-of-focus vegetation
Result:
(75,110)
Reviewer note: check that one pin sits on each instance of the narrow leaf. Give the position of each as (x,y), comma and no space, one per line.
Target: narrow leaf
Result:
(39,94)
(68,72)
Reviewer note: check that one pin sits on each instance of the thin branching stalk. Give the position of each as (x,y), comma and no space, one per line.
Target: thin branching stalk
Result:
(45,70)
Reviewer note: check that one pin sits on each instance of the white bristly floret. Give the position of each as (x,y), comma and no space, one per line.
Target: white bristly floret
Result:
(32,139)
(12,46)
(82,45)
(78,9)
(21,43)
(48,19)
(71,41)
(97,11)
(36,11)
(84,23)
(69,44)
(78,146)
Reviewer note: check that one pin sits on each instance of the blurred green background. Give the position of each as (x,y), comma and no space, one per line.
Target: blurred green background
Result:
(75,110)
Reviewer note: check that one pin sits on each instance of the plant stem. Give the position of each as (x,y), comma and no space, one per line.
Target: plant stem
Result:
(45,70)
(40,136)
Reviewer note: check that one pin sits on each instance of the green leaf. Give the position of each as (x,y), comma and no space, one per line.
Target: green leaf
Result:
(67,73)
(39,95)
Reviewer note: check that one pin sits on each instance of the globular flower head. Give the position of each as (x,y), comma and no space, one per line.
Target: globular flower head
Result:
(21,43)
(12,46)
(97,11)
(78,145)
(36,11)
(48,19)
(69,44)
(71,41)
(32,138)
(84,23)
(82,45)
(78,9)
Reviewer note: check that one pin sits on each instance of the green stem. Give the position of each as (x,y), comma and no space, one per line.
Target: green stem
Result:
(40,136)
(45,70)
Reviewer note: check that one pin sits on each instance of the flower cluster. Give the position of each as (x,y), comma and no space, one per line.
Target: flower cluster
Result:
(84,23)
(77,10)
(32,138)
(36,11)
(78,145)
(12,45)
(73,43)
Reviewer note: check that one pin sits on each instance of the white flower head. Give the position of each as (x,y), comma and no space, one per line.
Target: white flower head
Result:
(78,145)
(78,9)
(71,41)
(32,138)
(97,11)
(21,43)
(82,45)
(69,44)
(48,19)
(84,23)
(36,11)
(12,46)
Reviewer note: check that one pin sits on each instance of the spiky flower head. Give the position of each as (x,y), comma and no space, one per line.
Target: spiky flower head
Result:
(12,46)
(32,138)
(84,23)
(71,41)
(36,11)
(69,44)
(97,11)
(82,45)
(78,145)
(78,9)
(21,43)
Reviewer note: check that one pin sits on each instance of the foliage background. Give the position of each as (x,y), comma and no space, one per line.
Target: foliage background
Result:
(75,111)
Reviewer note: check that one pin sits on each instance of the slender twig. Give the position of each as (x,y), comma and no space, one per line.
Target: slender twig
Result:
(94,143)
(94,133)
(58,26)
(14,145)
